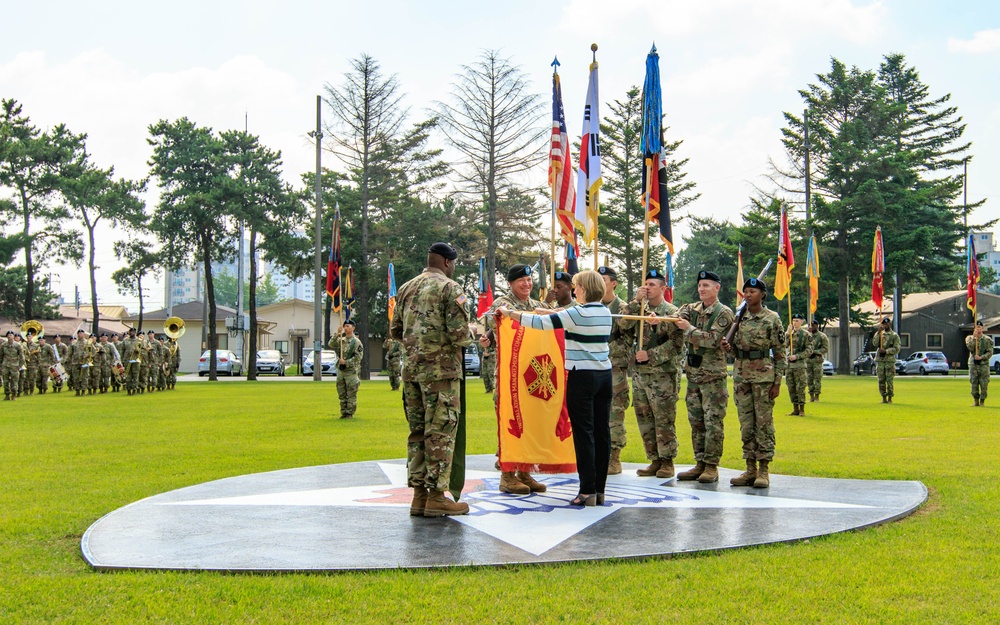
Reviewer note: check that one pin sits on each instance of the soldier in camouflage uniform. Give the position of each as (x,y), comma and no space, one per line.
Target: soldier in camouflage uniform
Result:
(393,360)
(81,354)
(620,353)
(980,349)
(814,370)
(488,368)
(97,382)
(799,346)
(152,378)
(654,375)
(704,324)
(561,293)
(887,345)
(32,352)
(46,358)
(132,355)
(63,350)
(759,348)
(22,372)
(432,321)
(116,356)
(174,356)
(519,298)
(350,352)
(11,361)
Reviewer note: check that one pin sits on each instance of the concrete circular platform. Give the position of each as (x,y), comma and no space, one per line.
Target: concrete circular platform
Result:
(356,516)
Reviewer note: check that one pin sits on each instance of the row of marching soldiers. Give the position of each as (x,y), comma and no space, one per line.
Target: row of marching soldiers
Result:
(87,365)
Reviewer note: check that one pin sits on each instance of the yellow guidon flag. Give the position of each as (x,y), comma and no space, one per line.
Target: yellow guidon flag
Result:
(534,431)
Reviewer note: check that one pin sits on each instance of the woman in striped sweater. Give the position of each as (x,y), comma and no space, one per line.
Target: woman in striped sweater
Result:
(588,383)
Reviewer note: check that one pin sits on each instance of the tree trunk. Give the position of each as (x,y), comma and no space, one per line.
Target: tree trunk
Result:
(206,250)
(93,278)
(844,309)
(251,361)
(138,285)
(29,265)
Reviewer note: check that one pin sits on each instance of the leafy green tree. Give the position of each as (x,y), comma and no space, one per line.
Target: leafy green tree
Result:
(267,291)
(623,214)
(32,169)
(141,262)
(192,167)
(93,194)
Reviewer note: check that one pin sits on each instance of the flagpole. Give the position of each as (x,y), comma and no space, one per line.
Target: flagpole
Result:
(597,201)
(645,243)
(553,193)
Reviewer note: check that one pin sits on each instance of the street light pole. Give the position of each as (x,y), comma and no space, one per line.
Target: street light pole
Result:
(317,289)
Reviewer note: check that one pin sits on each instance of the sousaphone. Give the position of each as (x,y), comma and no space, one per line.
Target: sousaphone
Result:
(174,327)
(33,329)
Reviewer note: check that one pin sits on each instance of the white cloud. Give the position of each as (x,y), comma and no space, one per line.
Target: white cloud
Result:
(983,42)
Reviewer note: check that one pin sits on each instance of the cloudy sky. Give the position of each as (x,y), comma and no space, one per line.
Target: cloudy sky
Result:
(729,69)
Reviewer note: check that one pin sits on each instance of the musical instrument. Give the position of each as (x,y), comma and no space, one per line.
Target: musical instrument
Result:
(118,370)
(57,372)
(174,327)
(32,328)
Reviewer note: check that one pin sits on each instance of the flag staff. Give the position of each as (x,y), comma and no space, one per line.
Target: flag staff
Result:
(552,188)
(597,202)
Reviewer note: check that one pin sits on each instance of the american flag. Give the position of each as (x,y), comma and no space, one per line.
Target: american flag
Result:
(560,170)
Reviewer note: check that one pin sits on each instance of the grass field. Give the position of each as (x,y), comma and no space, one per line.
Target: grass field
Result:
(67,461)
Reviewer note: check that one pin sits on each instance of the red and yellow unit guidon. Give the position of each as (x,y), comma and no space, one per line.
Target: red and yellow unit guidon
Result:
(534,431)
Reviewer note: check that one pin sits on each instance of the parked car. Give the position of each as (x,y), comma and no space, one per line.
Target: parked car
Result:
(472,364)
(995,361)
(865,363)
(925,363)
(827,367)
(269,361)
(328,362)
(225,362)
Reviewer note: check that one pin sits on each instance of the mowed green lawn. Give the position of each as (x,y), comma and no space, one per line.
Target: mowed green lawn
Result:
(66,461)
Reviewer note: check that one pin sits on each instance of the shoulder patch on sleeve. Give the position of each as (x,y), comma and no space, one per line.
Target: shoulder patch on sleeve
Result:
(461,299)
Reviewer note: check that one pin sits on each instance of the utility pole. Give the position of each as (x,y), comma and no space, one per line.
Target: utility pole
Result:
(809,223)
(318,289)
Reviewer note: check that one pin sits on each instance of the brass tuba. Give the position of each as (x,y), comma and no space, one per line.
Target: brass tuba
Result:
(174,327)
(32,328)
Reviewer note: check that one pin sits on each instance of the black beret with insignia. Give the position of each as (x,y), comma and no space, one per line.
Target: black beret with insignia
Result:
(563,276)
(518,271)
(798,316)
(886,320)
(655,274)
(607,271)
(755,283)
(980,324)
(350,322)
(709,275)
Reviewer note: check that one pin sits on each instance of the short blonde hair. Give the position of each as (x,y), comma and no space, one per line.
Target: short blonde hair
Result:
(592,284)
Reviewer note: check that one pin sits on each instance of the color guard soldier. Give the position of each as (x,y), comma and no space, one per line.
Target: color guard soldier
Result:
(821,347)
(46,358)
(620,351)
(11,363)
(799,344)
(980,349)
(350,352)
(887,345)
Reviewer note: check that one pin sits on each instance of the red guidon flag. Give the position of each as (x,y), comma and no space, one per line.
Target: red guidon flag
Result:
(533,425)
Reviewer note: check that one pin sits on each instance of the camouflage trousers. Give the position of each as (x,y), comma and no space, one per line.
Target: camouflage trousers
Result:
(488,371)
(394,368)
(105,376)
(654,396)
(795,378)
(620,401)
(132,373)
(706,407)
(96,376)
(10,381)
(81,377)
(43,379)
(814,375)
(143,376)
(347,391)
(979,375)
(30,380)
(432,412)
(754,407)
(21,375)
(885,371)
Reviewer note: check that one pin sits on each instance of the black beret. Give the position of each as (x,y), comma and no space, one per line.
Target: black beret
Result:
(564,276)
(104,333)
(655,274)
(886,320)
(798,316)
(151,332)
(131,329)
(814,322)
(79,331)
(9,333)
(607,271)
(755,283)
(518,271)
(709,275)
(979,323)
(444,250)
(350,322)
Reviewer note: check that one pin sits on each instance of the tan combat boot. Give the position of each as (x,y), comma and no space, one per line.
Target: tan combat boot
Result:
(615,464)
(747,477)
(419,501)
(710,475)
(438,505)
(802,410)
(763,479)
(510,484)
(651,470)
(975,401)
(982,401)
(795,411)
(533,485)
(693,473)
(666,468)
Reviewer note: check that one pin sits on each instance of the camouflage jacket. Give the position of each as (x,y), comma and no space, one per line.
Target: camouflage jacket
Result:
(32,353)
(889,341)
(393,350)
(63,350)
(820,345)
(47,356)
(350,352)
(512,303)
(663,343)
(620,349)
(985,349)
(11,355)
(432,321)
(705,340)
(800,344)
(101,355)
(761,333)
(78,352)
